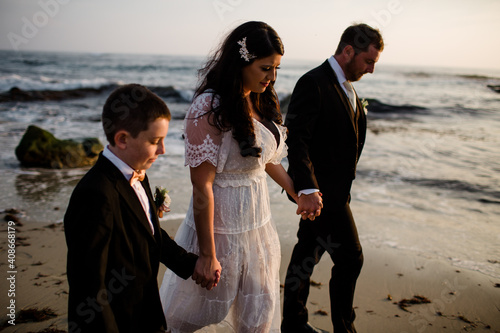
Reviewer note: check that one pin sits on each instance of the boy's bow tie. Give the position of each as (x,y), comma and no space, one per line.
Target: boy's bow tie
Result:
(137,176)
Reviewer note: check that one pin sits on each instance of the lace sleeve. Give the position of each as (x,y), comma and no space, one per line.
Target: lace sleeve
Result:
(282,150)
(202,140)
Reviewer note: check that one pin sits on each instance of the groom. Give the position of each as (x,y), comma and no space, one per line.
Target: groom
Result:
(327,128)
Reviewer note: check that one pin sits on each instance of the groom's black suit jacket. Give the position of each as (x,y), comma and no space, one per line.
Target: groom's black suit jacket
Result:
(325,136)
(113,256)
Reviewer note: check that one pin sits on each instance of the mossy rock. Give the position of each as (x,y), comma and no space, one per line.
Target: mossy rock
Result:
(40,148)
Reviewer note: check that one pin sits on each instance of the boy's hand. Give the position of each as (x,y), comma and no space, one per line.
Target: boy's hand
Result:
(207,272)
(217,278)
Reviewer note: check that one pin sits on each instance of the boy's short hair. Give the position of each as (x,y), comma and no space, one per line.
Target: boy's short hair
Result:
(131,108)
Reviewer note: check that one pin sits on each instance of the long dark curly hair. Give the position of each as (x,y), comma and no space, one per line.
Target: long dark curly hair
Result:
(223,74)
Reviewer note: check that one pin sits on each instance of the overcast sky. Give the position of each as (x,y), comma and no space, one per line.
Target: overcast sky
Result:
(454,33)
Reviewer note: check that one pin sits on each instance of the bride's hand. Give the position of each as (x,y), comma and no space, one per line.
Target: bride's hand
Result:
(207,272)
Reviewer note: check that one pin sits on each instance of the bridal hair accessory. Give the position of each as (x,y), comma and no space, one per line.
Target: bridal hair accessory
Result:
(244,51)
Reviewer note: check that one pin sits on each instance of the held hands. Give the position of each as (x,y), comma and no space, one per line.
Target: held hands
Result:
(310,205)
(207,272)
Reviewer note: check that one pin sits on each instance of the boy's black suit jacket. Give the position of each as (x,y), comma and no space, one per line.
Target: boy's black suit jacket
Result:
(113,256)
(325,136)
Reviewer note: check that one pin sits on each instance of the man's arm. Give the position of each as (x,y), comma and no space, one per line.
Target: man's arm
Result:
(302,116)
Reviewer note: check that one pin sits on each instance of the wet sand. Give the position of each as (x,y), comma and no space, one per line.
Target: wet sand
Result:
(459,300)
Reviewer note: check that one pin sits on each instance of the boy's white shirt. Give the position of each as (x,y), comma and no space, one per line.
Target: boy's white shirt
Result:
(127,172)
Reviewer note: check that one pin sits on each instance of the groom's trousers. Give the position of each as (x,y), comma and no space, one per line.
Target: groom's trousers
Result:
(334,231)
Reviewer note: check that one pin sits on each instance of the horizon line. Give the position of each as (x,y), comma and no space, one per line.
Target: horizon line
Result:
(399,64)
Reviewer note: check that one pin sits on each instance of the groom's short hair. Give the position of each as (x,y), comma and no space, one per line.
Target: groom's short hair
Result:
(360,37)
(132,108)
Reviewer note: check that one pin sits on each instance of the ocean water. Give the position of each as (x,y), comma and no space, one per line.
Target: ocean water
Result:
(428,180)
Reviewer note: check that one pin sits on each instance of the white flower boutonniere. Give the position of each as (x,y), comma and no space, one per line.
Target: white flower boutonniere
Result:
(162,200)
(364,103)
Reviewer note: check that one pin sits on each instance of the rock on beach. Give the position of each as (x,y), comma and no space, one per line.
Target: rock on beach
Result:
(40,148)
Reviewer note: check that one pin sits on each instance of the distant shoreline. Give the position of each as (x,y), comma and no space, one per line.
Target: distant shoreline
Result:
(312,61)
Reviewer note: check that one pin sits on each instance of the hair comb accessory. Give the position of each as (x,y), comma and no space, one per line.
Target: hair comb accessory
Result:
(244,51)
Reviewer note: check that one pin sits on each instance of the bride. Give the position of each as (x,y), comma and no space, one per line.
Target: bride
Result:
(233,137)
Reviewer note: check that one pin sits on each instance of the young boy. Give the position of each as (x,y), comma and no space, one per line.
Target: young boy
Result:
(115,243)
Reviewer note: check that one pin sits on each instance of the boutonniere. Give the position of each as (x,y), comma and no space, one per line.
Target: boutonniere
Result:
(162,200)
(364,103)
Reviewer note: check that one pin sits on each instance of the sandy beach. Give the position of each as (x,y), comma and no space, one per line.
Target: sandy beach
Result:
(458,300)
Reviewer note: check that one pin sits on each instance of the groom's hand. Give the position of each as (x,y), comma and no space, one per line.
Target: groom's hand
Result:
(310,205)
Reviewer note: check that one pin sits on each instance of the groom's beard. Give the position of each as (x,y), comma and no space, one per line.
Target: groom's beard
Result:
(351,73)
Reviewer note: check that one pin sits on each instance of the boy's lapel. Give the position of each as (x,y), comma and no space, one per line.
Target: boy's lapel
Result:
(154,216)
(128,194)
(130,197)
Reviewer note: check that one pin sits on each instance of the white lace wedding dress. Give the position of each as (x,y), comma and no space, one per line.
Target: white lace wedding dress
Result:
(247,298)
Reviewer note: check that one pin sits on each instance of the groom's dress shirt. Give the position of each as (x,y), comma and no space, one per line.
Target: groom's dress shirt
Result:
(341,77)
